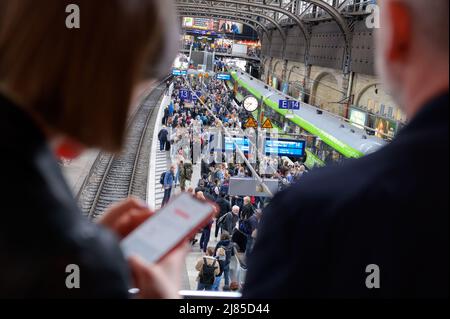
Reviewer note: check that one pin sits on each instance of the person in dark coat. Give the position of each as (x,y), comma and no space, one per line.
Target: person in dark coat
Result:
(230,220)
(376,227)
(163,138)
(228,246)
(224,208)
(247,210)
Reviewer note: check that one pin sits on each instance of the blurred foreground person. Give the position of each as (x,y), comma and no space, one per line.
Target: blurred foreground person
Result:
(372,228)
(61,91)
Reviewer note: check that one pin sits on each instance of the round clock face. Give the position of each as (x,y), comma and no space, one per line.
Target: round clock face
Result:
(250,104)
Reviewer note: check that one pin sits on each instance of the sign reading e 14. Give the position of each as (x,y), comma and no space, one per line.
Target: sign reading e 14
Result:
(289,105)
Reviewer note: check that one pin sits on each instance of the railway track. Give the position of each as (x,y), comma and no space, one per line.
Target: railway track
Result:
(116,177)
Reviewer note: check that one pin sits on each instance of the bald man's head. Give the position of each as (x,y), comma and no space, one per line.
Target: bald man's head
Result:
(412,50)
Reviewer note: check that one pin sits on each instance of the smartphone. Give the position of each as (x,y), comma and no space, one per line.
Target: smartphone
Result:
(168,228)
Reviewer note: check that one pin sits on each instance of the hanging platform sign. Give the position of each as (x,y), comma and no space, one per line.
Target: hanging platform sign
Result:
(251,187)
(289,105)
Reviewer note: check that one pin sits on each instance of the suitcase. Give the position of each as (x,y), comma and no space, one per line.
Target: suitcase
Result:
(167,146)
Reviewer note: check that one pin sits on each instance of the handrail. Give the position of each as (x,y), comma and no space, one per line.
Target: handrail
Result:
(242,56)
(210,295)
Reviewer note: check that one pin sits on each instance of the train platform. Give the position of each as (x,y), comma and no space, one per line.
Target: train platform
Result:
(161,162)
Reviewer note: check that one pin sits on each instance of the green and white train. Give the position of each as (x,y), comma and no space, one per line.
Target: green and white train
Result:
(330,139)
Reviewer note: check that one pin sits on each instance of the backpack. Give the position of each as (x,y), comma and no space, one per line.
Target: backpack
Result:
(162,178)
(228,252)
(188,172)
(221,220)
(207,276)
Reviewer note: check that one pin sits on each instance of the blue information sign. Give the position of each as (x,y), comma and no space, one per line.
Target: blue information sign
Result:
(284,147)
(289,105)
(185,95)
(178,72)
(224,76)
(241,142)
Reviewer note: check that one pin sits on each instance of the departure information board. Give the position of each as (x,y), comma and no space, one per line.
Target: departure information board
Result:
(224,76)
(283,147)
(241,142)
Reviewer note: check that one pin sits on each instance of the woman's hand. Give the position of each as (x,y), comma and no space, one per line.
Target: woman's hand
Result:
(125,216)
(161,281)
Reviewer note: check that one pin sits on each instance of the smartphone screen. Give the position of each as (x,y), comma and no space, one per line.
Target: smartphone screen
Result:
(175,222)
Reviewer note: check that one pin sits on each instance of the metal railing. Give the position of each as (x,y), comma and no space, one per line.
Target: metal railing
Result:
(209,295)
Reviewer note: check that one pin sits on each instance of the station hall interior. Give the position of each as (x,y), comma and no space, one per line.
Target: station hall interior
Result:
(310,135)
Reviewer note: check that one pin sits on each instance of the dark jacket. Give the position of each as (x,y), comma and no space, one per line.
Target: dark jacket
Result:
(388,209)
(227,245)
(224,206)
(42,230)
(247,211)
(253,223)
(230,222)
(163,134)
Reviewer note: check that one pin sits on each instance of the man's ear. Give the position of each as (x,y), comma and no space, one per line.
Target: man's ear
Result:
(68,149)
(401,22)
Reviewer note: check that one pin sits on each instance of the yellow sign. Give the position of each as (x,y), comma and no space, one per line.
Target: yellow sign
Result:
(251,122)
(267,124)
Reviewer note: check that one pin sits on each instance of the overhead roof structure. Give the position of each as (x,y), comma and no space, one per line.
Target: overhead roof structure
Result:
(263,15)
(231,14)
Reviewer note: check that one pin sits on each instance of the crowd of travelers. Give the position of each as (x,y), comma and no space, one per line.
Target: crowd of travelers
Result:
(189,121)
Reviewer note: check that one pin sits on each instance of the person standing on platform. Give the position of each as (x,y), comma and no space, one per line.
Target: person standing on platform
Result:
(247,210)
(229,221)
(206,236)
(208,269)
(185,175)
(252,225)
(163,138)
(369,228)
(228,247)
(167,88)
(224,208)
(169,180)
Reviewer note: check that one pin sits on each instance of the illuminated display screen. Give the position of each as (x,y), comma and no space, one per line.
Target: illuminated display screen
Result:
(285,148)
(358,118)
(242,143)
(224,76)
(178,72)
(230,27)
(198,23)
(205,24)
